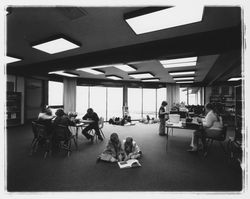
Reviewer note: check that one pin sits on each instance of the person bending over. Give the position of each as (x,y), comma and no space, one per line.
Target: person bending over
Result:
(131,149)
(212,126)
(113,151)
(91,115)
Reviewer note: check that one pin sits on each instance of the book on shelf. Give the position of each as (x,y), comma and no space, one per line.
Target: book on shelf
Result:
(129,164)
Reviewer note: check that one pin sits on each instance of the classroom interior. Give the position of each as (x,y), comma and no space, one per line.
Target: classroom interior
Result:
(124,60)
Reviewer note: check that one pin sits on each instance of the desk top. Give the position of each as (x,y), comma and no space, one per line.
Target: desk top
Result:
(87,121)
(83,122)
(183,125)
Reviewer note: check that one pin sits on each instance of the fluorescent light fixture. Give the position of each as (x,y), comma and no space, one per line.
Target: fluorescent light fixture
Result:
(235,79)
(179,65)
(64,74)
(184,82)
(114,77)
(167,18)
(92,71)
(151,80)
(182,73)
(141,75)
(178,60)
(56,46)
(125,67)
(183,78)
(9,59)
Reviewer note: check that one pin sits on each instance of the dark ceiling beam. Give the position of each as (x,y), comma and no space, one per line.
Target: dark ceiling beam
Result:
(223,66)
(205,43)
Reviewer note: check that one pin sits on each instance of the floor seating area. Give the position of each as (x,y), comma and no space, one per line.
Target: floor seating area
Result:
(163,167)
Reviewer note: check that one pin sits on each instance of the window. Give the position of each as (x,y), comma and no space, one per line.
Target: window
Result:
(55,93)
(194,96)
(183,95)
(149,102)
(135,103)
(190,96)
(114,104)
(97,100)
(82,100)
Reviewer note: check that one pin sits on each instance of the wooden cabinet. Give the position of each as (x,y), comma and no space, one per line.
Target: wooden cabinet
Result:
(13,108)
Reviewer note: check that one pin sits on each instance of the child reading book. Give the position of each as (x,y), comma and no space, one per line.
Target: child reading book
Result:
(113,151)
(131,149)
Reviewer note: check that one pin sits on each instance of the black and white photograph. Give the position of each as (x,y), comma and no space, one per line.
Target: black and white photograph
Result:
(105,99)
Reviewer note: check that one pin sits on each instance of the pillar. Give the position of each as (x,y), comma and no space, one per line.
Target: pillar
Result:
(69,94)
(125,101)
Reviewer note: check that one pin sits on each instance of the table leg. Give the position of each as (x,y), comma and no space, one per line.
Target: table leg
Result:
(167,132)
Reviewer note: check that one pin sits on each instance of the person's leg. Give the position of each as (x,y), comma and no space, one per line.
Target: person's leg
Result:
(97,131)
(85,132)
(162,126)
(195,138)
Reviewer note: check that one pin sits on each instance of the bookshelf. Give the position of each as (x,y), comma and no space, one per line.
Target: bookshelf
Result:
(225,96)
(13,108)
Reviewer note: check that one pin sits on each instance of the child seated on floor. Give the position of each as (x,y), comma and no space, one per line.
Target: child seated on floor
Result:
(131,149)
(113,151)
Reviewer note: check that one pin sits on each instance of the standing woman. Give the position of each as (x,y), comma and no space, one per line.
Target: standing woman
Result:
(162,112)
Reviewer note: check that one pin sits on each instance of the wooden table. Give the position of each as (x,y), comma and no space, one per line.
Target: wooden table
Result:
(182,125)
(80,125)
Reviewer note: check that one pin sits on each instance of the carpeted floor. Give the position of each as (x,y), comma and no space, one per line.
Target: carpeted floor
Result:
(166,165)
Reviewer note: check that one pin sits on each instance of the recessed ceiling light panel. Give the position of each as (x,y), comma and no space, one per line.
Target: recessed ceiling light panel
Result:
(114,77)
(141,75)
(125,67)
(183,78)
(234,79)
(9,59)
(180,62)
(64,73)
(167,18)
(92,71)
(56,46)
(182,73)
(184,82)
(179,65)
(151,80)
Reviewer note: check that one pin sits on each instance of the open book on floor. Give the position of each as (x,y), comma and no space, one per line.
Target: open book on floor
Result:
(129,164)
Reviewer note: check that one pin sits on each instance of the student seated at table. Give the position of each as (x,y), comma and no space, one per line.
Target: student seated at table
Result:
(91,115)
(63,119)
(113,151)
(45,118)
(212,127)
(131,149)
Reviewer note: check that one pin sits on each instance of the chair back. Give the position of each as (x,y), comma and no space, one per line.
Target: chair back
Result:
(101,122)
(223,134)
(34,129)
(41,130)
(60,132)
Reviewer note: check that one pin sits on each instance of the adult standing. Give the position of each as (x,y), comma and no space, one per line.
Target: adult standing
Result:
(91,115)
(161,114)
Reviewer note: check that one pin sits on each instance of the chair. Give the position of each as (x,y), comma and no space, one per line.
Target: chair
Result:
(41,138)
(221,138)
(100,125)
(61,133)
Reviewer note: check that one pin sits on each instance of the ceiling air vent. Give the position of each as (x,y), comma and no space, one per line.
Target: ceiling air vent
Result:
(72,13)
